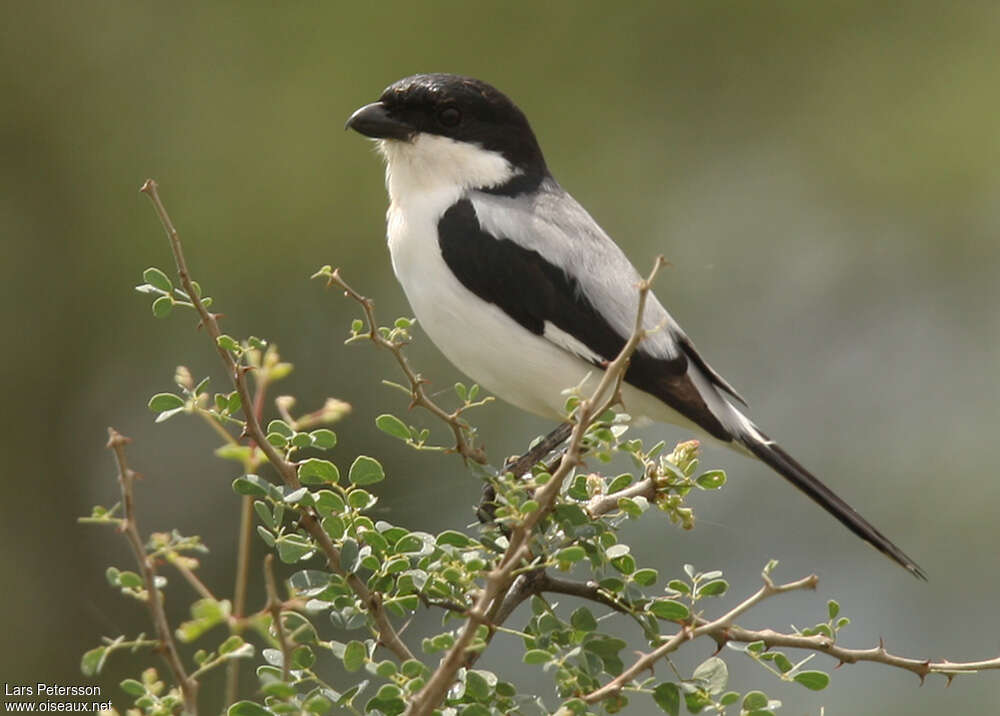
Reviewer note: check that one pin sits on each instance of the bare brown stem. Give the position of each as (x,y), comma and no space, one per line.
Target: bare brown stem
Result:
(646,661)
(167,646)
(286,470)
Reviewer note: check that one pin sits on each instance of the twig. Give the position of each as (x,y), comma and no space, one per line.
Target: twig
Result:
(602,504)
(878,654)
(723,631)
(286,470)
(687,633)
(418,395)
(541,582)
(500,578)
(126,478)
(177,561)
(274,605)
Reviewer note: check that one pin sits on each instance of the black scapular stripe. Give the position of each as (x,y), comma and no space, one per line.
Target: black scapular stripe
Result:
(531,290)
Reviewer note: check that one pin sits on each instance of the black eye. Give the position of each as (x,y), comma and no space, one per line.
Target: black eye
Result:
(450,116)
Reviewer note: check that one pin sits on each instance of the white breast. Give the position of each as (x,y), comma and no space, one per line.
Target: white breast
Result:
(424,178)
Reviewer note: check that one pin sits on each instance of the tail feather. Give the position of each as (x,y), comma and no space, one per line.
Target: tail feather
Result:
(786,466)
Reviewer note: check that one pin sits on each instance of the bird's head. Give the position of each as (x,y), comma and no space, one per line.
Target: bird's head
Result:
(441,129)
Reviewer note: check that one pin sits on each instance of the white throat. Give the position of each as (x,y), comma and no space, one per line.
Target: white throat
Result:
(430,163)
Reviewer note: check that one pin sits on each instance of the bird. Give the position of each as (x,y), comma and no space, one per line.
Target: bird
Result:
(523,291)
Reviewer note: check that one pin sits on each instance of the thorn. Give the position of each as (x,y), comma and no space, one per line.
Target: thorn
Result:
(950,678)
(115,438)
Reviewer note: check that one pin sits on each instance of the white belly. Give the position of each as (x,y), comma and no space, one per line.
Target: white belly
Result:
(481,340)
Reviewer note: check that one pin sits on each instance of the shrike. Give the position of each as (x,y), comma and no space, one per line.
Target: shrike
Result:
(521,289)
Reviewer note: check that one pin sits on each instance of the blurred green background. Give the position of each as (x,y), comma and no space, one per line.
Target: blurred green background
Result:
(824,178)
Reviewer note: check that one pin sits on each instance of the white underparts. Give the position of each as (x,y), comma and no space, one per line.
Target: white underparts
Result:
(429,162)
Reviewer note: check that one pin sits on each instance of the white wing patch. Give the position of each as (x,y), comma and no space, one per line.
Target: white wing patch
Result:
(567,342)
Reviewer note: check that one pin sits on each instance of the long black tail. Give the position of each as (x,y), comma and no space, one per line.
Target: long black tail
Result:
(786,466)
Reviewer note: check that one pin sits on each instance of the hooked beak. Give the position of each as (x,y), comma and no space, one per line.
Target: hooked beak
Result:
(374,120)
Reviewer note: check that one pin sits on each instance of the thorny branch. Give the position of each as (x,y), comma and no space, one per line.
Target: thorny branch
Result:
(722,630)
(418,395)
(499,580)
(237,373)
(126,478)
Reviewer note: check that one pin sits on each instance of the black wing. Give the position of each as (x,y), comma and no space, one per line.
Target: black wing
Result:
(533,292)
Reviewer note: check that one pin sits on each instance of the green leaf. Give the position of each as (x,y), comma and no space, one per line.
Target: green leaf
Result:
(536,656)
(167,414)
(303,658)
(252,485)
(361,499)
(280,427)
(366,471)
(711,480)
(645,577)
(316,472)
(328,502)
(165,401)
(156,278)
(301,440)
(265,535)
(349,553)
(833,609)
(668,698)
(132,687)
(292,548)
(679,586)
(354,656)
(714,588)
(476,685)
(130,579)
(669,609)
(782,662)
(334,526)
(583,620)
(453,538)
(265,514)
(163,306)
(227,343)
(231,644)
(619,483)
(815,680)
(317,703)
(93,661)
(248,708)
(730,697)
(391,425)
(754,700)
(301,495)
(713,673)
(323,438)
(571,554)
